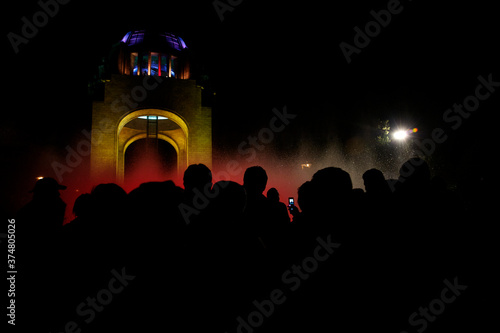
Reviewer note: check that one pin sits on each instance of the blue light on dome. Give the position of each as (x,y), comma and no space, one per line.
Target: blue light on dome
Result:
(125,38)
(138,36)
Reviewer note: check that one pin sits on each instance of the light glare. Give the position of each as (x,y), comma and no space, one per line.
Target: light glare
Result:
(400,135)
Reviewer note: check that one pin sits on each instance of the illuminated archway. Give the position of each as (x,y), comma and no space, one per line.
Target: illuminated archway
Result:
(147,161)
(177,137)
(116,123)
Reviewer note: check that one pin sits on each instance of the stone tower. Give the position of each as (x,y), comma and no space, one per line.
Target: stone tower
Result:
(149,95)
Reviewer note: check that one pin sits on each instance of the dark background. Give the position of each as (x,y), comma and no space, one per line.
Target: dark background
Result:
(262,55)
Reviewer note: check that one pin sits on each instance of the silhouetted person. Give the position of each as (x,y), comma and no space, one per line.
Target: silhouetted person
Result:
(258,208)
(74,233)
(156,238)
(273,194)
(97,242)
(197,183)
(279,209)
(225,228)
(254,182)
(45,212)
(106,225)
(82,207)
(413,201)
(305,197)
(333,199)
(418,235)
(327,213)
(41,220)
(39,224)
(333,183)
(158,204)
(305,201)
(376,200)
(375,184)
(220,244)
(197,176)
(327,205)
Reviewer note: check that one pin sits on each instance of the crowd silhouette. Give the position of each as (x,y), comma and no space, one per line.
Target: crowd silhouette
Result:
(200,257)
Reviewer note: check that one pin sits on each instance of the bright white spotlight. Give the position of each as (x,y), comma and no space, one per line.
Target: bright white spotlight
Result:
(400,135)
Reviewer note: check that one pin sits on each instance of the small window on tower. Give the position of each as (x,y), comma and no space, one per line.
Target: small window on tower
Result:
(164,65)
(154,64)
(134,63)
(173,67)
(144,64)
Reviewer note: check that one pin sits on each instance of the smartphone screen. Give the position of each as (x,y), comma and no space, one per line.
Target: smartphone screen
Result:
(290,201)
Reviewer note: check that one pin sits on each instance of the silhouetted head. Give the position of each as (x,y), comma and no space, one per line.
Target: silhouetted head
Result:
(306,196)
(108,191)
(273,194)
(47,187)
(333,180)
(255,180)
(107,197)
(197,176)
(161,194)
(230,197)
(154,189)
(333,188)
(375,182)
(82,205)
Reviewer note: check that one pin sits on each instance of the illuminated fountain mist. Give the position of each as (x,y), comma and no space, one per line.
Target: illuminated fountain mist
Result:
(149,161)
(287,171)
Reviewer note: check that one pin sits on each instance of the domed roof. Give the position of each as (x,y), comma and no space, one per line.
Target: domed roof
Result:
(153,40)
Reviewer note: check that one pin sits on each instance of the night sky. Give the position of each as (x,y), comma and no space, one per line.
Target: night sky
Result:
(263,55)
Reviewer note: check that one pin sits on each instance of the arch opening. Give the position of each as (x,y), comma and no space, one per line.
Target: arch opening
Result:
(155,128)
(145,161)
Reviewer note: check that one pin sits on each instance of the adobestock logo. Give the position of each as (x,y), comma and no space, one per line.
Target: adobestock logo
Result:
(292,280)
(372,29)
(251,146)
(265,136)
(29,29)
(222,7)
(92,305)
(425,315)
(75,156)
(455,117)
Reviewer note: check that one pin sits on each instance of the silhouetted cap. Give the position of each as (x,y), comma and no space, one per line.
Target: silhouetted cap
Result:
(47,184)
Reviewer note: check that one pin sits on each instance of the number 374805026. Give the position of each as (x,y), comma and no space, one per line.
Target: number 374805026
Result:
(11,247)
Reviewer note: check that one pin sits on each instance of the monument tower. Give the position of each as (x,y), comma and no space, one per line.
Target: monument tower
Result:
(149,96)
